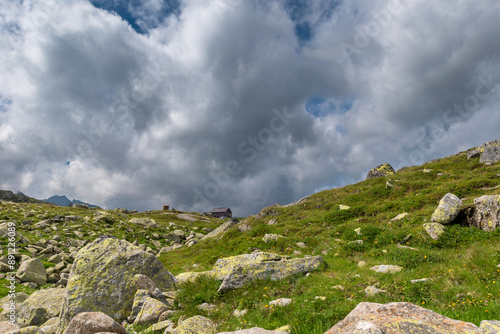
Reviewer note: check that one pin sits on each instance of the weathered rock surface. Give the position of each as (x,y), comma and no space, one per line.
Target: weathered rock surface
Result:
(490,327)
(192,276)
(271,237)
(32,270)
(255,330)
(386,268)
(486,213)
(5,327)
(381,171)
(26,330)
(93,322)
(146,222)
(219,231)
(434,230)
(239,275)
(223,266)
(399,318)
(489,150)
(102,279)
(150,312)
(447,210)
(40,307)
(50,327)
(196,325)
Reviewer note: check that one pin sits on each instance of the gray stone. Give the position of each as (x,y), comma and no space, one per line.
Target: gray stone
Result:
(490,326)
(40,307)
(32,270)
(486,213)
(447,210)
(490,155)
(220,231)
(93,322)
(434,230)
(386,268)
(271,237)
(150,312)
(255,330)
(381,171)
(196,324)
(146,222)
(404,318)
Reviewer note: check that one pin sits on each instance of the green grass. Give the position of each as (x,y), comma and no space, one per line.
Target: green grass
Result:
(464,285)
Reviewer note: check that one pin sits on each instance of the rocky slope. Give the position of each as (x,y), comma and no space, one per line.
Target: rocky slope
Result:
(412,251)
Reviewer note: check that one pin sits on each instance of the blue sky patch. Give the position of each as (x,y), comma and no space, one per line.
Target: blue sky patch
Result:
(4,103)
(319,107)
(137,15)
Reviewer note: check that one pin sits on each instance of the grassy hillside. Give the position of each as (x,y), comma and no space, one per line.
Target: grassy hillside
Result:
(462,265)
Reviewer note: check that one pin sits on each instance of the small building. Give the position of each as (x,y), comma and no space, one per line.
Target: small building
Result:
(166,207)
(221,213)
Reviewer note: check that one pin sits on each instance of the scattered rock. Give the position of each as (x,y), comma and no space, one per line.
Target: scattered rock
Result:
(447,210)
(486,213)
(386,268)
(93,322)
(427,170)
(255,330)
(150,312)
(338,287)
(239,314)
(146,222)
(400,216)
(271,237)
(219,231)
(381,171)
(196,324)
(490,326)
(434,230)
(271,222)
(274,270)
(361,264)
(280,302)
(32,270)
(207,307)
(165,327)
(373,291)
(399,318)
(420,280)
(344,207)
(40,307)
(490,155)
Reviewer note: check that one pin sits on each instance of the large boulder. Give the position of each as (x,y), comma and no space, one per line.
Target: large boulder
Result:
(146,222)
(490,326)
(380,171)
(486,213)
(239,275)
(40,307)
(219,231)
(32,270)
(488,152)
(102,279)
(196,325)
(434,230)
(224,266)
(93,322)
(399,318)
(447,210)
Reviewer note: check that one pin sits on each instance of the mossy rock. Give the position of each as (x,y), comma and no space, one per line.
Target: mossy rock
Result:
(102,279)
(381,171)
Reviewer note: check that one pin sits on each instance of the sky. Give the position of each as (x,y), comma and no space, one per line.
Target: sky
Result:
(231,103)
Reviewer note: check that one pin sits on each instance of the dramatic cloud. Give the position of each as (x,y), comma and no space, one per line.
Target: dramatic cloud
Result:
(206,103)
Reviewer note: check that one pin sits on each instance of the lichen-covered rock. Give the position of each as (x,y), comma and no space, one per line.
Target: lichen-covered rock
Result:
(219,231)
(381,171)
(165,327)
(150,312)
(93,322)
(196,325)
(26,330)
(490,327)
(140,298)
(399,318)
(486,213)
(32,270)
(255,330)
(386,268)
(223,266)
(102,279)
(434,230)
(490,155)
(447,210)
(239,275)
(192,276)
(271,237)
(40,307)
(146,222)
(50,326)
(485,148)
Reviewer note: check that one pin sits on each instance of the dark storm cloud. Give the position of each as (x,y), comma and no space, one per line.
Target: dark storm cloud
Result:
(204,105)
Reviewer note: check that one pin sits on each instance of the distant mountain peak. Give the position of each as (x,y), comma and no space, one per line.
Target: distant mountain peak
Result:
(62,200)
